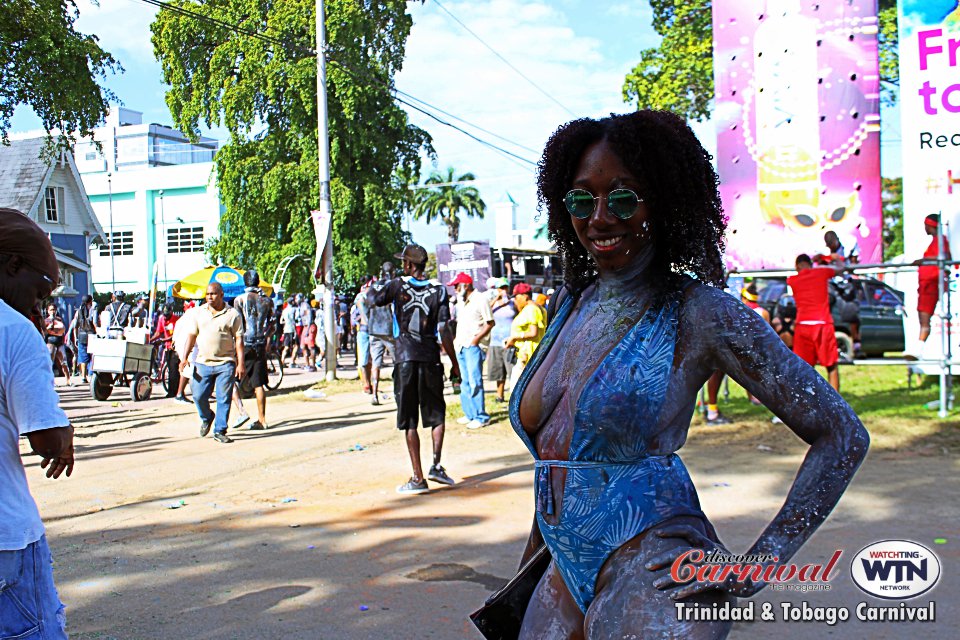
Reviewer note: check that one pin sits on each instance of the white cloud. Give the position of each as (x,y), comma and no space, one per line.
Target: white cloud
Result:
(633,9)
(123,27)
(449,68)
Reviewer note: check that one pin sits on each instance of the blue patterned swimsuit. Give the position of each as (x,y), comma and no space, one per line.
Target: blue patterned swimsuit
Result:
(614,489)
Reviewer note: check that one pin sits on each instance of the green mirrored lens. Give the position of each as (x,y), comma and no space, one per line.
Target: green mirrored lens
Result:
(579,203)
(622,203)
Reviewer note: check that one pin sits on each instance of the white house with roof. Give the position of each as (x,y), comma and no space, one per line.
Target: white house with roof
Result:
(51,192)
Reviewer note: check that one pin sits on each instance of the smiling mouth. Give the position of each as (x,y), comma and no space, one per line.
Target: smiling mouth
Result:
(607,244)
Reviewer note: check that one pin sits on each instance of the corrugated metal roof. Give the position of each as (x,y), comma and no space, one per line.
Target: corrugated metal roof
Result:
(22,173)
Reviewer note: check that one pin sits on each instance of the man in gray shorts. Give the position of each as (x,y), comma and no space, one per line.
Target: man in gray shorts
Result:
(381,329)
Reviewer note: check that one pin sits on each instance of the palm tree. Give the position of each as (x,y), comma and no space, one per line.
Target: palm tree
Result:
(447,200)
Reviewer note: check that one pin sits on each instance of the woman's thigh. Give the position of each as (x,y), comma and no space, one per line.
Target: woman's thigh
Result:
(552,613)
(628,605)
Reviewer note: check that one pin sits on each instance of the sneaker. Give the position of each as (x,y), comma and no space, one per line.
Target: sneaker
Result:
(375,401)
(368,390)
(500,399)
(463,420)
(477,424)
(204,429)
(182,400)
(240,421)
(222,437)
(439,474)
(258,426)
(719,419)
(413,488)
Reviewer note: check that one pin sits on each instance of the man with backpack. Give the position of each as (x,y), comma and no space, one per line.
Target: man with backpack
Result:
(381,328)
(84,325)
(256,312)
(116,317)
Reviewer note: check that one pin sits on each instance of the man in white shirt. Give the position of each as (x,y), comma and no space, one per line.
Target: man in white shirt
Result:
(28,406)
(474,322)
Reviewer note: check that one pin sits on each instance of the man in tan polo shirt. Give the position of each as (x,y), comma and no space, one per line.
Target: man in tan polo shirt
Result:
(217,330)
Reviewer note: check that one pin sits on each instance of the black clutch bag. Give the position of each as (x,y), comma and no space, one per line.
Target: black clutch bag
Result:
(501,616)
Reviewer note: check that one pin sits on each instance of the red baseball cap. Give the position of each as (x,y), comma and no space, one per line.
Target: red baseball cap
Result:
(522,288)
(461,278)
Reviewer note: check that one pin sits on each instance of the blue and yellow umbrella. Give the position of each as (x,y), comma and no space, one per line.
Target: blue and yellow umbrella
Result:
(194,286)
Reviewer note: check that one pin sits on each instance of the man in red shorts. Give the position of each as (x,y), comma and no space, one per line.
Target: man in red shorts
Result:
(813,338)
(929,277)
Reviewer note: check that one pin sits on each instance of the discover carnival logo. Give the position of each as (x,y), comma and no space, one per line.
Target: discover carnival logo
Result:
(895,569)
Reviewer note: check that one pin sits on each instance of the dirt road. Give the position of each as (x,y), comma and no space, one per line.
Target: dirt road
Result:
(297,532)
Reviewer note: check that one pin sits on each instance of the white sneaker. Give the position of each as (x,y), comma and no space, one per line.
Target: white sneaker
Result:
(463,420)
(476,424)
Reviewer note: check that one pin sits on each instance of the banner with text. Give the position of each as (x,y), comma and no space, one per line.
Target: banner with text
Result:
(930,127)
(798,128)
(473,258)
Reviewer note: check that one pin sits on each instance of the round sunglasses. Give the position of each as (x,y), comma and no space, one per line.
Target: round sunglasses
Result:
(622,203)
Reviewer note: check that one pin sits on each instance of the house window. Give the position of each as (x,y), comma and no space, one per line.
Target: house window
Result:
(121,241)
(91,155)
(53,204)
(185,240)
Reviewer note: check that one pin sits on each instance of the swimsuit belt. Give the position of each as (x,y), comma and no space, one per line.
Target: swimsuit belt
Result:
(548,465)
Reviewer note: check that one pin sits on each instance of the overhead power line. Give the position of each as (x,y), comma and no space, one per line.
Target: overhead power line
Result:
(549,95)
(367,77)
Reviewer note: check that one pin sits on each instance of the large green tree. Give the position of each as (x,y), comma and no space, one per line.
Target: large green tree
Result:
(447,199)
(678,75)
(51,67)
(259,81)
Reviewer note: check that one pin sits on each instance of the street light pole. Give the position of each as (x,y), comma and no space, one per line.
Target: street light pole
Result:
(163,234)
(323,162)
(113,271)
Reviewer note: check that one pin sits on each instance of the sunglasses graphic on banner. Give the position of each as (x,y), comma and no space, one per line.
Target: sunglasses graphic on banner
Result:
(622,203)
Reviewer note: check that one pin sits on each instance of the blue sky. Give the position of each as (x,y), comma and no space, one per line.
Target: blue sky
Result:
(578,51)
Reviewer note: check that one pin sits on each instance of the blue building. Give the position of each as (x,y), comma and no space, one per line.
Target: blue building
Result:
(51,193)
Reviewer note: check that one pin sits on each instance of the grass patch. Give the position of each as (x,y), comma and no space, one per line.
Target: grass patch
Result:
(893,413)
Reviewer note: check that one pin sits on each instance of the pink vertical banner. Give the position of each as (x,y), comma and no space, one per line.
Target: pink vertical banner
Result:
(798,128)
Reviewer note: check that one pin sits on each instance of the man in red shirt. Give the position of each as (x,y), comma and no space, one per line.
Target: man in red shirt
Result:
(813,338)
(929,290)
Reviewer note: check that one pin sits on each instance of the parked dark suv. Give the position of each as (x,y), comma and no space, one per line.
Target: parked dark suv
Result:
(881,313)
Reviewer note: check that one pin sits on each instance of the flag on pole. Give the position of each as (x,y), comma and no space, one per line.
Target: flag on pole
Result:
(321,227)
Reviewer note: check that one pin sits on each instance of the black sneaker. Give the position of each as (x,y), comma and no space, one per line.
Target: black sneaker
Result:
(257,426)
(439,474)
(719,419)
(204,429)
(413,488)
(222,437)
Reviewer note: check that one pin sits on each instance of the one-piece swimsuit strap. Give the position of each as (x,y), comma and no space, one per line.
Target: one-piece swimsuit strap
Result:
(553,330)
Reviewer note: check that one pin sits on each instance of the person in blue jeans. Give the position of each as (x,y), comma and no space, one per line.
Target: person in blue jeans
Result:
(474,323)
(29,406)
(217,330)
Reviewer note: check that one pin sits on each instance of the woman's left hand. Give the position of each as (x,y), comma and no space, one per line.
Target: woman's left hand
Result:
(697,540)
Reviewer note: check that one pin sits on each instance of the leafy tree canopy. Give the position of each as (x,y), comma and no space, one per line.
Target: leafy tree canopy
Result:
(447,199)
(48,65)
(264,92)
(678,75)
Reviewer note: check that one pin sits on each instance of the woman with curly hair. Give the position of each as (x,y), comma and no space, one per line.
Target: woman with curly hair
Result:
(606,401)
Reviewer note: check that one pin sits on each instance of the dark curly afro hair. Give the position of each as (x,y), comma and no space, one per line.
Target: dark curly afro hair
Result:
(680,190)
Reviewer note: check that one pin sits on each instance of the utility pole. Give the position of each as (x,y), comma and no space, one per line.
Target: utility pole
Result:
(323,156)
(113,271)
